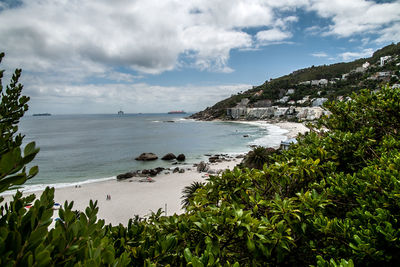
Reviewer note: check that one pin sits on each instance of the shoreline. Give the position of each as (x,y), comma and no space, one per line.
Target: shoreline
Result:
(130,197)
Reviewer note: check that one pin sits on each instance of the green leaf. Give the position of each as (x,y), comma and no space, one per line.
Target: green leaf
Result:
(188,255)
(30,149)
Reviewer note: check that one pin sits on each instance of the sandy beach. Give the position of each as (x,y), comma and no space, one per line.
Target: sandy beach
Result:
(293,128)
(130,197)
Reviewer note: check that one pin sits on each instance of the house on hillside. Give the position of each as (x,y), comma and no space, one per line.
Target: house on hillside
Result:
(290,92)
(259,93)
(366,65)
(305,83)
(360,70)
(384,60)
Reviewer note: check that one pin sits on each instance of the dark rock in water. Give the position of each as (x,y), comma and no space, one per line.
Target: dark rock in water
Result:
(202,167)
(169,156)
(147,156)
(181,157)
(182,171)
(246,135)
(207,155)
(125,176)
(176,170)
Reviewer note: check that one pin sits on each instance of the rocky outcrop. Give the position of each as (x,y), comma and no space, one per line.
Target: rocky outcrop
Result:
(181,157)
(169,156)
(202,167)
(140,173)
(127,175)
(147,157)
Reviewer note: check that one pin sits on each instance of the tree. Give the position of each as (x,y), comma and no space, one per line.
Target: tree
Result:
(189,192)
(12,162)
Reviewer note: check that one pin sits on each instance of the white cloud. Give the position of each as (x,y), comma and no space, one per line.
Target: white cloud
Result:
(357,16)
(85,38)
(132,98)
(272,35)
(314,30)
(319,54)
(148,35)
(346,56)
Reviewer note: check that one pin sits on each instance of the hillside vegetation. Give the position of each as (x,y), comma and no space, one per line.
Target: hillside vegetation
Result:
(333,199)
(338,86)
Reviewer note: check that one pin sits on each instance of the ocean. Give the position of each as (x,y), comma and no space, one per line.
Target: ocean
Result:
(77,149)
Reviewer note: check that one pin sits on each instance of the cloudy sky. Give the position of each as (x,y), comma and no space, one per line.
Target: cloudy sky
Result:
(97,56)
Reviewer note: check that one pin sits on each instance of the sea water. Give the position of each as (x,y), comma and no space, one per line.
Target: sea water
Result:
(85,148)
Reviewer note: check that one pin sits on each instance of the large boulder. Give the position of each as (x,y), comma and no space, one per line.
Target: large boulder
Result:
(147,157)
(181,157)
(202,167)
(169,156)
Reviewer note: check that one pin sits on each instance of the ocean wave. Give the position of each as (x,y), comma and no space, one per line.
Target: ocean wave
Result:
(273,137)
(41,187)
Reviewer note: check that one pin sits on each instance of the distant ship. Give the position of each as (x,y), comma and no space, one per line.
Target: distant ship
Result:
(120,112)
(177,112)
(42,114)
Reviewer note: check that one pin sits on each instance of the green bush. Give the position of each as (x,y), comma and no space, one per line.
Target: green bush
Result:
(257,157)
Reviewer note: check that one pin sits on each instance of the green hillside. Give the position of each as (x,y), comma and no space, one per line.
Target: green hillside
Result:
(274,89)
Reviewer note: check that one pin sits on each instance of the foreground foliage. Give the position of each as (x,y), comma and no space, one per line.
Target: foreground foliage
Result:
(12,108)
(333,199)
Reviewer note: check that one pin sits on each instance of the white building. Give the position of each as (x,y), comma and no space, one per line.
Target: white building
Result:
(305,83)
(290,92)
(323,82)
(366,65)
(284,99)
(384,60)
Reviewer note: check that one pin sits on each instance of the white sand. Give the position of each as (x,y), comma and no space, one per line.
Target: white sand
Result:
(130,197)
(293,128)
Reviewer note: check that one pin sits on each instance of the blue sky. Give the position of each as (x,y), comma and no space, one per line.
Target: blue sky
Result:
(97,56)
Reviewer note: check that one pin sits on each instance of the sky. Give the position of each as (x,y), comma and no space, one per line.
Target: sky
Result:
(100,56)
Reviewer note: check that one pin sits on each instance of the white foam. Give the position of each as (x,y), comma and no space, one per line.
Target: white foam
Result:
(41,187)
(274,134)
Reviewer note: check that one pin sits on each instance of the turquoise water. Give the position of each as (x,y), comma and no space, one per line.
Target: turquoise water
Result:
(77,148)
